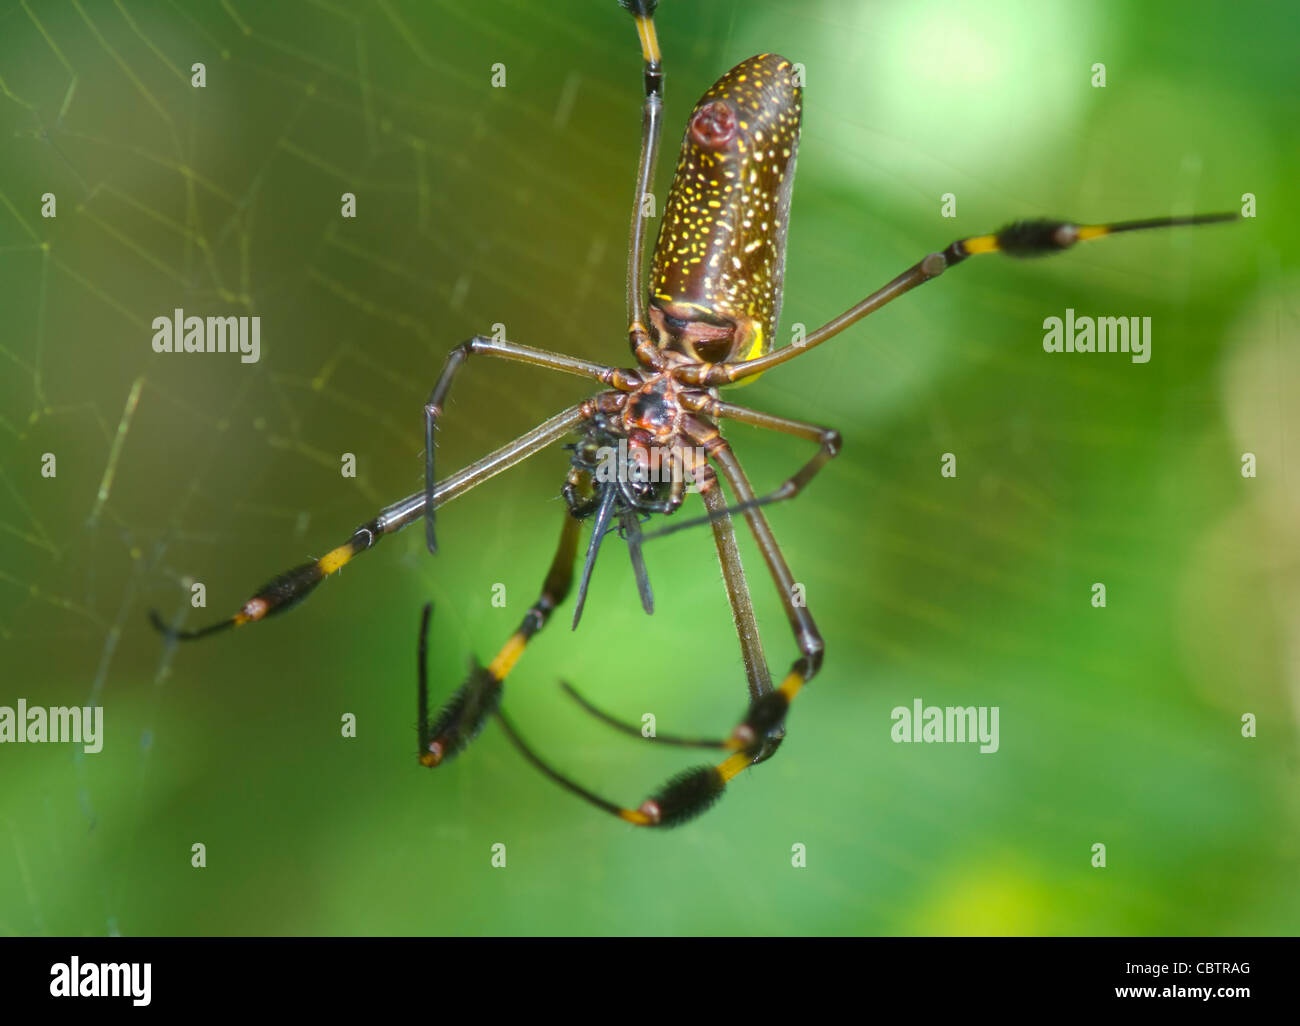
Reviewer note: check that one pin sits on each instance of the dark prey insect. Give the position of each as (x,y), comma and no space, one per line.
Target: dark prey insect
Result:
(706,317)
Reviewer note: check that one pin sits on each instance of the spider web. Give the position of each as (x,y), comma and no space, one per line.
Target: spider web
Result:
(479,206)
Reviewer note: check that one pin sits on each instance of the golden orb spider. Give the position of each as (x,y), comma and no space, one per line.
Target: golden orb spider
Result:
(704,317)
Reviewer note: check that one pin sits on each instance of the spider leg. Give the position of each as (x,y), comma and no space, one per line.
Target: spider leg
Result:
(642,12)
(610,376)
(478,698)
(757,674)
(1020,239)
(827,439)
(683,797)
(632,729)
(291,587)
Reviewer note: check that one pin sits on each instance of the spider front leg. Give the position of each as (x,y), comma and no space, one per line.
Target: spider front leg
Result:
(1032,238)
(609,376)
(478,698)
(289,588)
(652,77)
(828,447)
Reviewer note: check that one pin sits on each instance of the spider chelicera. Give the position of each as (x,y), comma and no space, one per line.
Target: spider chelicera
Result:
(706,317)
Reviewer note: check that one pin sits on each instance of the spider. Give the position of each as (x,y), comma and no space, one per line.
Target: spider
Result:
(705,317)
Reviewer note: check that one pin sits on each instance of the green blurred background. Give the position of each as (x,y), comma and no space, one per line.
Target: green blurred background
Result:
(480,206)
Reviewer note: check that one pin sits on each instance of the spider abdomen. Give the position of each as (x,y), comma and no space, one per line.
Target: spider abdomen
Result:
(719,263)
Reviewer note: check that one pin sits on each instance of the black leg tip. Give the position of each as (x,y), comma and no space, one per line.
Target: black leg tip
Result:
(172,634)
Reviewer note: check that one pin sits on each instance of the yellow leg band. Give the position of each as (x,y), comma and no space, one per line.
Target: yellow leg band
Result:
(732,765)
(508,656)
(636,817)
(334,559)
(981,244)
(645,28)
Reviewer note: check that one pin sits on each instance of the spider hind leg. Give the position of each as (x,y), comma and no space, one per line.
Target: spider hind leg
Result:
(468,709)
